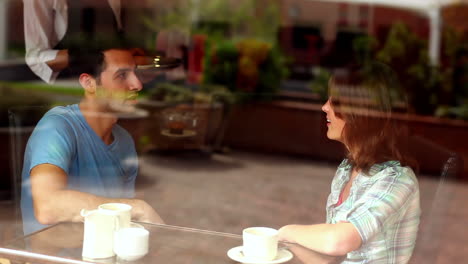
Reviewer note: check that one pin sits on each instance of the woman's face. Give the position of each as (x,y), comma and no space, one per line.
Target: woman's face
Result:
(335,124)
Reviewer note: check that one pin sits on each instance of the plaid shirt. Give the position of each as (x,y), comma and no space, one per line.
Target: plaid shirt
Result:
(384,208)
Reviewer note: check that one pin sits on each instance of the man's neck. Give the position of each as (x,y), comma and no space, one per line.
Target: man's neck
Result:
(99,120)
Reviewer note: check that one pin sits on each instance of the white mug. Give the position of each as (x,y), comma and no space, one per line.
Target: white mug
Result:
(99,231)
(260,243)
(121,210)
(131,243)
(100,226)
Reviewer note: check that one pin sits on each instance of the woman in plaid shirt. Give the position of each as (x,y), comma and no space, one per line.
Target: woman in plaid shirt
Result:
(373,209)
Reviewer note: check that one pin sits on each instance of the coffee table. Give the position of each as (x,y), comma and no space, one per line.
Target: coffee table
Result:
(62,243)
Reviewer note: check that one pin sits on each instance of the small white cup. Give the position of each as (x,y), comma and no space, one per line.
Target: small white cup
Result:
(121,210)
(260,243)
(131,243)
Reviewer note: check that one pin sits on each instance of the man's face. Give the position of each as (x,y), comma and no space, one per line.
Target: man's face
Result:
(118,86)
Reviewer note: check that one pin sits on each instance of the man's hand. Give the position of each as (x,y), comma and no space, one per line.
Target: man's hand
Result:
(143,212)
(60,62)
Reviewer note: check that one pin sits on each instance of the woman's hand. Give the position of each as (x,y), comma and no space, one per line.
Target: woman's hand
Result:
(285,234)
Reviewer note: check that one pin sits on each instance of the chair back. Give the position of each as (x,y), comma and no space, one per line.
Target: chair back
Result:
(22,120)
(436,195)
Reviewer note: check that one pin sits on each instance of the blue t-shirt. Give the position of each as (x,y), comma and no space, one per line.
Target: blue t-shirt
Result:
(64,138)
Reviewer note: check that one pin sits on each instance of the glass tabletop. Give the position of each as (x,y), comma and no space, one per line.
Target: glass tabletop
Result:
(62,243)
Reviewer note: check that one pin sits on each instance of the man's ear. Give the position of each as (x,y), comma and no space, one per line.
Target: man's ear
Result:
(88,83)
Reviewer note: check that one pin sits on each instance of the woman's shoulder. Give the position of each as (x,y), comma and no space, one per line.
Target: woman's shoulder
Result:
(345,165)
(393,171)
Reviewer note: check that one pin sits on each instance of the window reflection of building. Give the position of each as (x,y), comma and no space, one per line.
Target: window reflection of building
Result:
(364,16)
(343,15)
(3,29)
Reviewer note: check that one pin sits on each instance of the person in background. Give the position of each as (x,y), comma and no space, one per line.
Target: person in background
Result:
(58,32)
(78,157)
(373,210)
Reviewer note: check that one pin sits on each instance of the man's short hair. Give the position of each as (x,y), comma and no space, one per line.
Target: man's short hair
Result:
(91,59)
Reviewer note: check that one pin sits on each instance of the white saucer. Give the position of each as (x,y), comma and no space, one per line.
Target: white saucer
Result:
(236,254)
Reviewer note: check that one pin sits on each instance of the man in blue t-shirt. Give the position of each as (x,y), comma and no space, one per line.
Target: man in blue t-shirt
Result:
(78,157)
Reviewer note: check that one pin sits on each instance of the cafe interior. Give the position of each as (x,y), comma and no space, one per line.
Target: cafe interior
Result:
(224,134)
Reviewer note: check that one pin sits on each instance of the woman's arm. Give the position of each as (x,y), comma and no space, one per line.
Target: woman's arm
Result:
(306,255)
(330,239)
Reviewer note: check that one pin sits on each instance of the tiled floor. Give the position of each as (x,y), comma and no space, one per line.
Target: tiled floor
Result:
(230,192)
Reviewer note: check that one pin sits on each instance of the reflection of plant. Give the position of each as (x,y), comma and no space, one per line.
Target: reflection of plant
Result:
(320,83)
(363,48)
(246,18)
(248,66)
(174,16)
(441,90)
(407,54)
(221,65)
(175,94)
(241,37)
(171,93)
(218,19)
(455,111)
(210,93)
(455,80)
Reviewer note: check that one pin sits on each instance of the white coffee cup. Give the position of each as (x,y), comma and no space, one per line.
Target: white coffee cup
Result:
(98,237)
(100,226)
(260,243)
(131,243)
(121,210)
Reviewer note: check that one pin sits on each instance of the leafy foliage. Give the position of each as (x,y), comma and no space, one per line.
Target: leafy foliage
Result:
(428,87)
(205,94)
(251,68)
(320,83)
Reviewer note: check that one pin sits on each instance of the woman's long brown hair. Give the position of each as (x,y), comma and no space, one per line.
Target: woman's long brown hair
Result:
(366,97)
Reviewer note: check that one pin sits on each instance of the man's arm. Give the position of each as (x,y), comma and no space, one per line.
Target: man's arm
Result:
(60,62)
(54,203)
(330,239)
(41,20)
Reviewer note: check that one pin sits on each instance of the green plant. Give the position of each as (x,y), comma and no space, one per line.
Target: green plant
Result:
(251,68)
(205,94)
(243,19)
(221,64)
(407,54)
(217,19)
(319,85)
(458,112)
(212,93)
(171,93)
(272,72)
(364,48)
(426,86)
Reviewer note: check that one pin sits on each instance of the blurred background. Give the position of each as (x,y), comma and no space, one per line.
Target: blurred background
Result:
(243,109)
